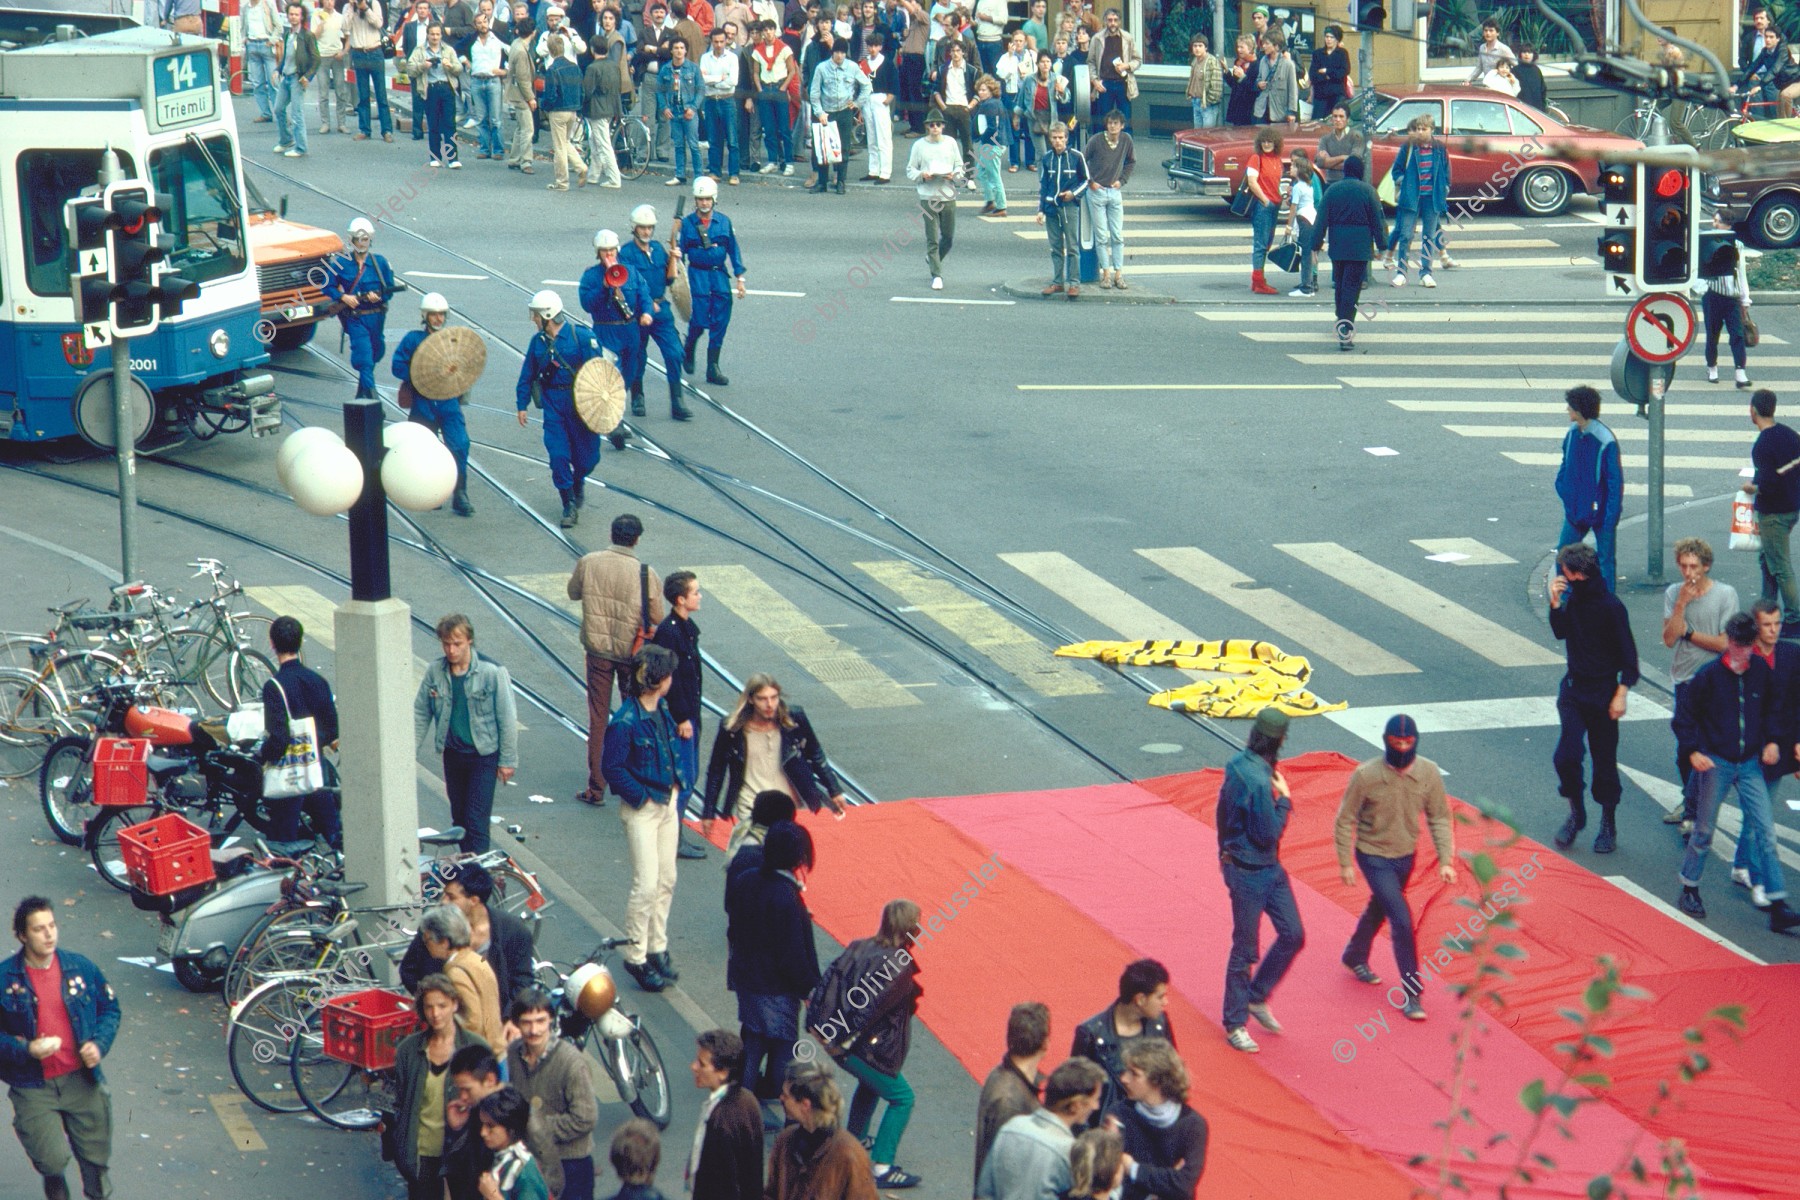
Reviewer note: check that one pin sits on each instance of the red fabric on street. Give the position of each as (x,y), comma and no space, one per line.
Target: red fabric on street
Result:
(1069,904)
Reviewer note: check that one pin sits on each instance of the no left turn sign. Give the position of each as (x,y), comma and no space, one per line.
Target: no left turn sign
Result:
(1660,327)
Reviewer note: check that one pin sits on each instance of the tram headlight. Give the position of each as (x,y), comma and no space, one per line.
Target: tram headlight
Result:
(220,343)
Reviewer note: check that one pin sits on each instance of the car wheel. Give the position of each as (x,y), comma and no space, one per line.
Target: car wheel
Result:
(1541,192)
(1775,223)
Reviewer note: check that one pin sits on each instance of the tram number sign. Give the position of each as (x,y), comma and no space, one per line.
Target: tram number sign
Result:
(184,88)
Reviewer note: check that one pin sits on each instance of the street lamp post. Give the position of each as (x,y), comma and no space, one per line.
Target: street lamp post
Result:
(375,679)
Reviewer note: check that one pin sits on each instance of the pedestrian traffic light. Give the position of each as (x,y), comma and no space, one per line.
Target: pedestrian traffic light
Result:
(1618,243)
(143,290)
(1406,15)
(1371,14)
(88,221)
(1668,248)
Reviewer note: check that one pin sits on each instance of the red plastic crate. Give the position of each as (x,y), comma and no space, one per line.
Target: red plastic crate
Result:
(121,776)
(363,1028)
(165,855)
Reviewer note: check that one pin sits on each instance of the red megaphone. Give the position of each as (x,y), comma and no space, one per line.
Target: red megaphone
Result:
(616,275)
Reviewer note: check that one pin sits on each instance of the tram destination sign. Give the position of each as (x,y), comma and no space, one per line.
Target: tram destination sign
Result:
(183,88)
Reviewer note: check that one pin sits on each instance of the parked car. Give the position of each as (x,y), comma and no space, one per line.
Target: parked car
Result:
(1763,201)
(290,269)
(1516,164)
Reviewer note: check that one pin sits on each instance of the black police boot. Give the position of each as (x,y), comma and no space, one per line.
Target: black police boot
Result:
(678,408)
(637,401)
(687,353)
(619,434)
(459,500)
(713,374)
(569,516)
(1607,839)
(1565,837)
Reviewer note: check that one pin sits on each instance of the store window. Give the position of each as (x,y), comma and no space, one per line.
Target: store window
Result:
(1169,26)
(1452,30)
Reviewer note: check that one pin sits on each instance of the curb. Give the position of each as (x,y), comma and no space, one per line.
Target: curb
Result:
(1032,289)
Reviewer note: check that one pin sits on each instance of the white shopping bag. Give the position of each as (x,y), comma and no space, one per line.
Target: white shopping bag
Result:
(828,146)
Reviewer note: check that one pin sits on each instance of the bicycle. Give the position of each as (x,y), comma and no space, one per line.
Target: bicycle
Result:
(616,1041)
(631,146)
(213,660)
(263,1031)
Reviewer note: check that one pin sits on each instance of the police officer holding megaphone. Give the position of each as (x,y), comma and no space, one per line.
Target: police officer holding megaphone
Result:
(618,303)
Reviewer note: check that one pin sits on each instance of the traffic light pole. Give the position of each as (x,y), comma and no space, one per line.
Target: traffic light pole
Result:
(123,426)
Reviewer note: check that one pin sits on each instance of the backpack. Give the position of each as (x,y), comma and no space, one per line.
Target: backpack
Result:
(826,1002)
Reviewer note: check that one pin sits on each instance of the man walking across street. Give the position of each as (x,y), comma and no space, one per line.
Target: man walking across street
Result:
(58,1019)
(1757,864)
(715,269)
(1776,487)
(617,312)
(620,608)
(1730,717)
(442,417)
(1379,821)
(557,351)
(1253,813)
(1350,221)
(361,282)
(465,708)
(680,636)
(1694,615)
(1603,667)
(936,164)
(654,265)
(1591,481)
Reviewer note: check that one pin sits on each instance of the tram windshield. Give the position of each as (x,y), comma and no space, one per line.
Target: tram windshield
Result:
(205,217)
(48,179)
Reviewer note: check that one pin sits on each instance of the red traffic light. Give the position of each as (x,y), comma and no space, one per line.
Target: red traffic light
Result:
(1671,183)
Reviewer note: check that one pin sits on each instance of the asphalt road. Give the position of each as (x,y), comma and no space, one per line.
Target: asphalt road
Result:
(901,503)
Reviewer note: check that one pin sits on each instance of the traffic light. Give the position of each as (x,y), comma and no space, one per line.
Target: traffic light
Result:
(1618,244)
(144,291)
(1668,251)
(1406,15)
(1371,14)
(90,284)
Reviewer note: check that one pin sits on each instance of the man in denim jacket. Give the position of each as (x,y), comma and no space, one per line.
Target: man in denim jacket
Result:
(465,707)
(58,1018)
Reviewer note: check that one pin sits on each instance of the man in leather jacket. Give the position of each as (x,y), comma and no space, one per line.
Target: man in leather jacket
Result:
(1139,1012)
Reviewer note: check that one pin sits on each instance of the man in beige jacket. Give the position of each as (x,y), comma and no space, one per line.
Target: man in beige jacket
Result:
(621,605)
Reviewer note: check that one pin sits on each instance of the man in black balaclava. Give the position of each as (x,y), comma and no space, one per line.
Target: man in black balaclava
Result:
(1595,632)
(1379,821)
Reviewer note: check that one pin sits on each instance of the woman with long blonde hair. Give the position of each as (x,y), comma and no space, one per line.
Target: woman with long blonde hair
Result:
(766,744)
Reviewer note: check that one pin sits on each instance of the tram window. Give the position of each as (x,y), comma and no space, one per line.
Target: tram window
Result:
(47,180)
(205,218)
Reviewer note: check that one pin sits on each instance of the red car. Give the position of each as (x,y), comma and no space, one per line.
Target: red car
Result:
(1517,165)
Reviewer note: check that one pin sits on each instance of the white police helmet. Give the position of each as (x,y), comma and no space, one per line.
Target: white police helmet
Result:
(643,214)
(706,188)
(433,302)
(606,239)
(546,304)
(363,226)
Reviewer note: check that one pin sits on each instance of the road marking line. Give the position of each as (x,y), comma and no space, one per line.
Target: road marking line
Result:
(1632,462)
(1222,233)
(440,275)
(1537,408)
(1494,642)
(1367,721)
(1410,337)
(1728,824)
(1625,433)
(552,586)
(1110,605)
(1135,248)
(1433,363)
(315,612)
(561,282)
(1287,617)
(1479,553)
(1669,910)
(1237,316)
(984,629)
(789,295)
(1476,261)
(1671,491)
(229,1107)
(1180,387)
(858,682)
(946,300)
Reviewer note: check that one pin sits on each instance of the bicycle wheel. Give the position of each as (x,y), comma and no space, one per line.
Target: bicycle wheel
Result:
(66,788)
(76,673)
(633,150)
(103,841)
(638,1070)
(23,651)
(181,656)
(283,954)
(29,712)
(241,679)
(338,1093)
(259,1040)
(1635,125)
(270,924)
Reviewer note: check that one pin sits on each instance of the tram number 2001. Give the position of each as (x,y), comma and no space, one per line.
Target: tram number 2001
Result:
(143,364)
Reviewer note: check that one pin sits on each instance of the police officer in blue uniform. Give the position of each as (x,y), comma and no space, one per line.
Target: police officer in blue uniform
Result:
(442,417)
(711,250)
(362,283)
(617,311)
(651,262)
(558,350)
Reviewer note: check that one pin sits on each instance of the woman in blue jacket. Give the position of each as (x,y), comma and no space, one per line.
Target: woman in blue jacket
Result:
(643,769)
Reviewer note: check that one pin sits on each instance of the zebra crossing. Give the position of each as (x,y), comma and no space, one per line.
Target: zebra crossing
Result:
(1193,237)
(1426,362)
(1217,600)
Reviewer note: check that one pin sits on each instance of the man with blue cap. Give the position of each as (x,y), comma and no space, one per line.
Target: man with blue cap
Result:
(1379,821)
(1252,815)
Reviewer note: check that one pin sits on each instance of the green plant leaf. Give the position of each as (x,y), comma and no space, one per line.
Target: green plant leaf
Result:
(1593,1080)
(1532,1096)
(1566,1105)
(1637,1170)
(1598,996)
(1573,1016)
(1508,950)
(1545,1161)
(1599,1187)
(1601,1044)
(1483,868)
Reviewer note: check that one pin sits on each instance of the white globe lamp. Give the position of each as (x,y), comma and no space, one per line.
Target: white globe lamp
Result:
(326,480)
